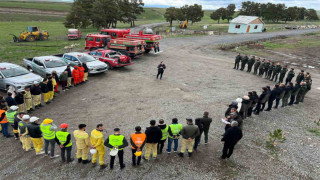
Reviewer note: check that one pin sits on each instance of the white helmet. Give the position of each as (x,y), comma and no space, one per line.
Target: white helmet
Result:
(14,107)
(25,117)
(33,119)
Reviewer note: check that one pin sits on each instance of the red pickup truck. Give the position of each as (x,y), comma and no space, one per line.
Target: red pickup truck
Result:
(111,58)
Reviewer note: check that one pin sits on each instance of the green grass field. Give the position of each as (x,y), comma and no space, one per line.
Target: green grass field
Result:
(37,5)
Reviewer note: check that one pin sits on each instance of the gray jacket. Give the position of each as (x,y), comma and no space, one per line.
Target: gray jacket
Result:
(190,131)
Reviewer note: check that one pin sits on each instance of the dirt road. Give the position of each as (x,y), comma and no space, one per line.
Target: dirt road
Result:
(32,11)
(195,80)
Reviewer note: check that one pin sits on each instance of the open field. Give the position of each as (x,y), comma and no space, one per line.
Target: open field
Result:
(198,78)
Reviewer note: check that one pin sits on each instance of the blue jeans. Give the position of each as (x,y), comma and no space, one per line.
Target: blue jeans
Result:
(175,148)
(5,129)
(196,142)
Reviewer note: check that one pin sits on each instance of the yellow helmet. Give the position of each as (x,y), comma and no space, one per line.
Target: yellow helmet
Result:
(47,121)
(138,153)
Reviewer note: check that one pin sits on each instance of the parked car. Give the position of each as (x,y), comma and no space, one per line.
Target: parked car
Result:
(76,58)
(111,58)
(16,76)
(44,65)
(74,34)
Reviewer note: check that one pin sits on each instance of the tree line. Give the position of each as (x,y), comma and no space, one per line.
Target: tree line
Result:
(193,13)
(102,13)
(268,12)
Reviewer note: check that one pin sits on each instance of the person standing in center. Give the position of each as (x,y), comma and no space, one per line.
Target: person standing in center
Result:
(83,143)
(24,134)
(116,141)
(137,140)
(290,75)
(97,142)
(63,138)
(165,131)
(206,121)
(161,68)
(244,61)
(36,94)
(76,75)
(49,131)
(274,93)
(36,135)
(154,135)
(188,133)
(174,133)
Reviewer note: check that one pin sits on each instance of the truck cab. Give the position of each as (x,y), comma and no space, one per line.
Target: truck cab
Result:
(74,34)
(115,33)
(95,41)
(16,77)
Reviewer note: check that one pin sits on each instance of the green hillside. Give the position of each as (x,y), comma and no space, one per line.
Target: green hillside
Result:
(37,5)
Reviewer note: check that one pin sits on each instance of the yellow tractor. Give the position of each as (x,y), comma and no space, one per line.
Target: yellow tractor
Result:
(32,34)
(184,25)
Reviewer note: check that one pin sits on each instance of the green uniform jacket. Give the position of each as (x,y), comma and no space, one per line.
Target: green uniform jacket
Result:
(271,68)
(257,64)
(266,66)
(238,58)
(290,74)
(277,69)
(283,71)
(262,65)
(245,59)
(251,61)
(300,78)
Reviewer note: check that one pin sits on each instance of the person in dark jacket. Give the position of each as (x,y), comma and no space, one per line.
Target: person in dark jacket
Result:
(294,93)
(20,100)
(64,80)
(86,71)
(50,87)
(56,77)
(301,93)
(63,139)
(17,119)
(281,92)
(154,135)
(308,85)
(234,104)
(36,135)
(36,95)
(287,94)
(45,90)
(271,70)
(231,138)
(114,139)
(161,68)
(69,81)
(273,95)
(234,116)
(165,131)
(188,133)
(244,61)
(283,72)
(10,101)
(237,61)
(300,77)
(198,138)
(262,98)
(256,66)
(290,75)
(276,71)
(261,67)
(266,68)
(251,62)
(3,102)
(254,99)
(245,106)
(206,121)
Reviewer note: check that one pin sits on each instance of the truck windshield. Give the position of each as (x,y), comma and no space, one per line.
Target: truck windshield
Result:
(112,54)
(13,72)
(86,58)
(53,64)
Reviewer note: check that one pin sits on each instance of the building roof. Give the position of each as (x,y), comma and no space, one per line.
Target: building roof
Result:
(245,19)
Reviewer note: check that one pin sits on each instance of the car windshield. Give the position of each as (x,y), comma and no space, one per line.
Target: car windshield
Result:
(53,64)
(13,72)
(86,58)
(72,32)
(114,54)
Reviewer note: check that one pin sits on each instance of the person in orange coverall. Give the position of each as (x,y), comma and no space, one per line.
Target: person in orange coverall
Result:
(81,73)
(76,75)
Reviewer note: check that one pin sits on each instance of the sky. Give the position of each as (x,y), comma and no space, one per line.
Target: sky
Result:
(215,4)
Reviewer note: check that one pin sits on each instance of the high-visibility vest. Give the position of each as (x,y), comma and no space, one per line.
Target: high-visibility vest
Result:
(62,137)
(175,129)
(116,140)
(10,116)
(138,139)
(46,132)
(165,133)
(4,120)
(22,127)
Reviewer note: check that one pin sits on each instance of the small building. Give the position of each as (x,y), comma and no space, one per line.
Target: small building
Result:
(246,24)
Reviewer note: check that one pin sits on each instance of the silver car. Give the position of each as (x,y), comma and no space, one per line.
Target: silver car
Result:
(16,76)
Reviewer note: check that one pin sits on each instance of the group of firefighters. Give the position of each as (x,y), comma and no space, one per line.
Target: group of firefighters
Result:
(30,131)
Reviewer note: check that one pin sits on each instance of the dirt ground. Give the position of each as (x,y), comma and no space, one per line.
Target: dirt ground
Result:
(32,11)
(197,79)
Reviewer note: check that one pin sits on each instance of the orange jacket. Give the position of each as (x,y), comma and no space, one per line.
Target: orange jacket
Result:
(4,120)
(81,71)
(138,139)
(75,73)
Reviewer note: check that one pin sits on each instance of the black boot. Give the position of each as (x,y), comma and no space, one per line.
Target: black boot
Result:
(85,161)
(180,154)
(190,154)
(79,160)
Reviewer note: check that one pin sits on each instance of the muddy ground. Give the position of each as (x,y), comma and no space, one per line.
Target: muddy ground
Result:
(197,79)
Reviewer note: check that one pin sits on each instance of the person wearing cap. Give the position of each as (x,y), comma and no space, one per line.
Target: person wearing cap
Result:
(206,121)
(154,135)
(17,119)
(63,138)
(83,143)
(300,77)
(188,133)
(28,99)
(20,100)
(11,114)
(36,135)
(48,131)
(116,141)
(230,139)
(165,132)
(287,94)
(274,93)
(174,133)
(57,80)
(251,62)
(4,122)
(244,61)
(276,71)
(86,71)
(45,90)
(256,66)
(64,80)
(137,140)
(294,93)
(283,72)
(97,142)
(76,75)
(36,94)
(23,133)
(290,75)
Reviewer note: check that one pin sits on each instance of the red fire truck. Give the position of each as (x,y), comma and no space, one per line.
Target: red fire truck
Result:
(129,47)
(95,41)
